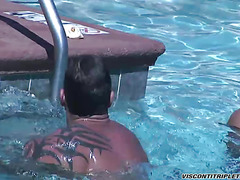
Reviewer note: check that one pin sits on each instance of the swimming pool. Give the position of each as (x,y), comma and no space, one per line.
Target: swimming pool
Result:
(192,87)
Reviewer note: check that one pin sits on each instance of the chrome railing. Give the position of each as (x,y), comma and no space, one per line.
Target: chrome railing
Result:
(60,45)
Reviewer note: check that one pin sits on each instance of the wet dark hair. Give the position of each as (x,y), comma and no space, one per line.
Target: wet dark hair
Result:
(87,86)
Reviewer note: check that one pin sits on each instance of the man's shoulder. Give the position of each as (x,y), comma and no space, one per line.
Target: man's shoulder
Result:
(36,143)
(128,144)
(122,131)
(122,135)
(57,149)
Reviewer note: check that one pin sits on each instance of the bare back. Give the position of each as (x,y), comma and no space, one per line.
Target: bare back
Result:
(89,147)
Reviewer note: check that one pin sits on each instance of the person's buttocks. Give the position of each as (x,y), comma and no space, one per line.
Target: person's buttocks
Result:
(91,142)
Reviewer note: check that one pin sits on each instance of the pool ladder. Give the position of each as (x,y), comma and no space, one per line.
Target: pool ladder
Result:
(60,46)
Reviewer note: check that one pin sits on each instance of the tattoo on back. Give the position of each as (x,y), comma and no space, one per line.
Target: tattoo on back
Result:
(68,140)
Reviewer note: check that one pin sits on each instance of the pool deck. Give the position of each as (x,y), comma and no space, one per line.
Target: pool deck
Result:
(27,46)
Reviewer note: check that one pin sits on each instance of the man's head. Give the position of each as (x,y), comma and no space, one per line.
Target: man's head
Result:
(87,87)
(234,120)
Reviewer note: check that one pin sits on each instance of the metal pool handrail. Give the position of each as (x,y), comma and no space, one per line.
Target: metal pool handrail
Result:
(60,45)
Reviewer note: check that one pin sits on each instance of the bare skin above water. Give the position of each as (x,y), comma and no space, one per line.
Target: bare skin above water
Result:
(89,146)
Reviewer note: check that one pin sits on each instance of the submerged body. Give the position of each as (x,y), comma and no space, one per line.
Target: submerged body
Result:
(89,146)
(234,137)
(234,120)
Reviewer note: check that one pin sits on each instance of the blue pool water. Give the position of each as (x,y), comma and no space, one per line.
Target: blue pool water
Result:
(193,86)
